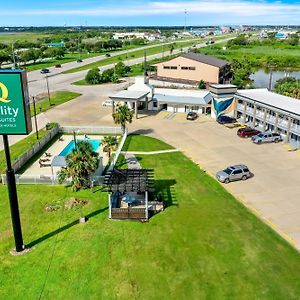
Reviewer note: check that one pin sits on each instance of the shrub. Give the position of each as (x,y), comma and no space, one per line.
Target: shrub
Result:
(93,76)
(201,85)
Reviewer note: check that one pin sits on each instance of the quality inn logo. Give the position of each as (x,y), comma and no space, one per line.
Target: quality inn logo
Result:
(4,92)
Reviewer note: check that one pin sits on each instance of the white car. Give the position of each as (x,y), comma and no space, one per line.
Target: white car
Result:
(107,103)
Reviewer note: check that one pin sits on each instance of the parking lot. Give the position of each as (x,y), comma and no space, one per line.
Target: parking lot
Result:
(273,192)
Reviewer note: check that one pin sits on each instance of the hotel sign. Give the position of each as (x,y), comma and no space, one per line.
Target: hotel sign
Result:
(14,103)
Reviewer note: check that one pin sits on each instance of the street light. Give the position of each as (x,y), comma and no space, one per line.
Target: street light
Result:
(35,119)
(49,99)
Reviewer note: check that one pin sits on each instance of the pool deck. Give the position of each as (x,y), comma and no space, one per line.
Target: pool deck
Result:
(56,149)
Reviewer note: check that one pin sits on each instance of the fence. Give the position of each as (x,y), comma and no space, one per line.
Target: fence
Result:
(114,161)
(49,180)
(96,179)
(91,130)
(128,213)
(23,159)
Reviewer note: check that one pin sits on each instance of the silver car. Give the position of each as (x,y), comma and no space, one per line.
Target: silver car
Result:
(236,172)
(266,137)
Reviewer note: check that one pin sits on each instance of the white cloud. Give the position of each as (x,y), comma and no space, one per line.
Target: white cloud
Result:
(233,8)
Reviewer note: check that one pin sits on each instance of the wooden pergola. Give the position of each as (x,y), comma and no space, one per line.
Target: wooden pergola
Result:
(125,182)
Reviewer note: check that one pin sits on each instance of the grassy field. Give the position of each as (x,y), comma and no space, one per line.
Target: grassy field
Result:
(22,36)
(135,142)
(56,99)
(289,56)
(205,245)
(19,148)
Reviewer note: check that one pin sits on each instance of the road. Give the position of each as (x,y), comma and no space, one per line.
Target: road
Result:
(59,81)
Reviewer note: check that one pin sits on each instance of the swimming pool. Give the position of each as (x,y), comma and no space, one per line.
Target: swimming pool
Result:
(71,146)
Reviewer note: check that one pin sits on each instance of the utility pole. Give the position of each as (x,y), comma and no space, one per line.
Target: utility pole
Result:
(270,80)
(49,99)
(35,119)
(145,64)
(185,13)
(13,55)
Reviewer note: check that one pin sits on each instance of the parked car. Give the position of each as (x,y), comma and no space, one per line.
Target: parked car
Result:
(191,116)
(58,66)
(225,120)
(107,103)
(232,173)
(266,137)
(45,71)
(247,132)
(79,60)
(107,55)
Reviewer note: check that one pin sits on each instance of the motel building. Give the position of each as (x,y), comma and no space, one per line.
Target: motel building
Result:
(259,108)
(256,108)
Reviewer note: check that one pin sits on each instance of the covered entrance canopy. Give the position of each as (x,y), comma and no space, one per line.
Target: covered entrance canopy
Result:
(130,96)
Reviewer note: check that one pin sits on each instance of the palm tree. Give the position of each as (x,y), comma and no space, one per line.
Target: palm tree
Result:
(122,116)
(81,163)
(109,143)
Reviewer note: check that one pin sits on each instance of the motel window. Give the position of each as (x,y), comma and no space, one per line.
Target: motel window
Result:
(192,68)
(184,68)
(173,68)
(167,67)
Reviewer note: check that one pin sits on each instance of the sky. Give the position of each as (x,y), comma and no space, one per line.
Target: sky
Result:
(146,12)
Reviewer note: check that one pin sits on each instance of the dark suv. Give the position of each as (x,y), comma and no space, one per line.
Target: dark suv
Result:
(45,71)
(225,120)
(191,116)
(247,132)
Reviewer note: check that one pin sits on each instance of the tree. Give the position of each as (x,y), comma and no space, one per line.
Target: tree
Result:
(109,144)
(122,116)
(289,86)
(201,85)
(172,47)
(93,76)
(121,69)
(4,57)
(81,164)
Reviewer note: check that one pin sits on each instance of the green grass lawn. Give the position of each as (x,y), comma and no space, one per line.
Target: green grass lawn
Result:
(205,245)
(19,148)
(56,99)
(135,142)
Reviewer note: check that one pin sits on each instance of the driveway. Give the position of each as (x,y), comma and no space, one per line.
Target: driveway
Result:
(273,192)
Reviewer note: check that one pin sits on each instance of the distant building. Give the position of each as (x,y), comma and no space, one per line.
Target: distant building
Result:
(193,67)
(128,35)
(281,36)
(60,44)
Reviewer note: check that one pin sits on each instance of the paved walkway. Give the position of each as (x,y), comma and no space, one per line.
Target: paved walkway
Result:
(149,152)
(132,161)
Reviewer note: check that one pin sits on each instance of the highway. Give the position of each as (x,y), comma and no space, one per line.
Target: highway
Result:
(59,81)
